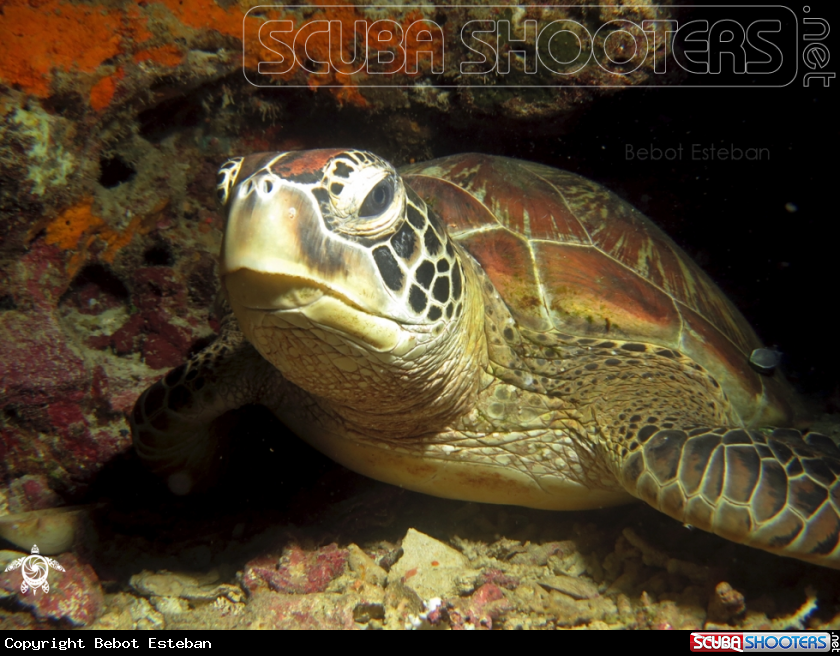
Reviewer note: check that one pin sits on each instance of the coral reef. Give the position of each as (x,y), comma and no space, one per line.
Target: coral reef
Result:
(75,597)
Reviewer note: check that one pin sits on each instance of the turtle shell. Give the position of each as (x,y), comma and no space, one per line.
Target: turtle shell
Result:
(567,255)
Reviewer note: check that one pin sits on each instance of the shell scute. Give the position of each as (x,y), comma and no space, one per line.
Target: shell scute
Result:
(459,212)
(566,252)
(627,236)
(508,261)
(495,182)
(704,343)
(589,294)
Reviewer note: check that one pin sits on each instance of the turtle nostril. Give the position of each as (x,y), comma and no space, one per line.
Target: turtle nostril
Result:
(268,186)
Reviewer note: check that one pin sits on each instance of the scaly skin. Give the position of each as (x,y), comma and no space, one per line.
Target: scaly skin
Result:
(408,366)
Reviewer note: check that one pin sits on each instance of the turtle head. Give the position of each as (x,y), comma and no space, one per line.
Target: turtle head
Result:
(332,243)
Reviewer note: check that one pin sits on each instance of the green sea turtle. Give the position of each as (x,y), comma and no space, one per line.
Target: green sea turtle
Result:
(493,330)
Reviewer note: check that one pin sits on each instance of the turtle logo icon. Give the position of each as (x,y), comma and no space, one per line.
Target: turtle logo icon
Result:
(35,570)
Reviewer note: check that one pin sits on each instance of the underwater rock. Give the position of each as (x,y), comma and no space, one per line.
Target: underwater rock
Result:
(126,612)
(576,588)
(159,297)
(183,585)
(364,567)
(62,405)
(539,554)
(403,606)
(99,74)
(431,568)
(54,529)
(726,604)
(499,578)
(75,596)
(310,611)
(296,571)
(486,604)
(38,365)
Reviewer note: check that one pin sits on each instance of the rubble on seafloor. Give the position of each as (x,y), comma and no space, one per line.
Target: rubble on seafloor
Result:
(610,569)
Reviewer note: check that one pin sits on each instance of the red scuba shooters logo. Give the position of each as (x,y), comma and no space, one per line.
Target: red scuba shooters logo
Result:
(761,641)
(717,642)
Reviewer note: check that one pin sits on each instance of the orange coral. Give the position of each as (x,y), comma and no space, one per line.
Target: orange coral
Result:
(317,40)
(45,35)
(206,14)
(140,225)
(103,91)
(40,36)
(77,228)
(74,230)
(414,47)
(310,42)
(72,224)
(135,26)
(168,55)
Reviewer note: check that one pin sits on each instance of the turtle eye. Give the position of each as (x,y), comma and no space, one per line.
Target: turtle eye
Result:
(378,199)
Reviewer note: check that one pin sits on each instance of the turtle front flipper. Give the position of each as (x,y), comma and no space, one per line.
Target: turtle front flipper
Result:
(778,491)
(178,424)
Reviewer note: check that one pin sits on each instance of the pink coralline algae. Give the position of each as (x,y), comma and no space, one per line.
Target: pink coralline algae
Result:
(478,611)
(158,295)
(38,366)
(296,571)
(63,406)
(499,578)
(75,596)
(31,492)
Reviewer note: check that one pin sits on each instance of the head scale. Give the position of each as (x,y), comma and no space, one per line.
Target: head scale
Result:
(341,276)
(342,223)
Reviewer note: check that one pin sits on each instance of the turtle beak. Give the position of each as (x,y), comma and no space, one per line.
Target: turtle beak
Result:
(278,254)
(263,263)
